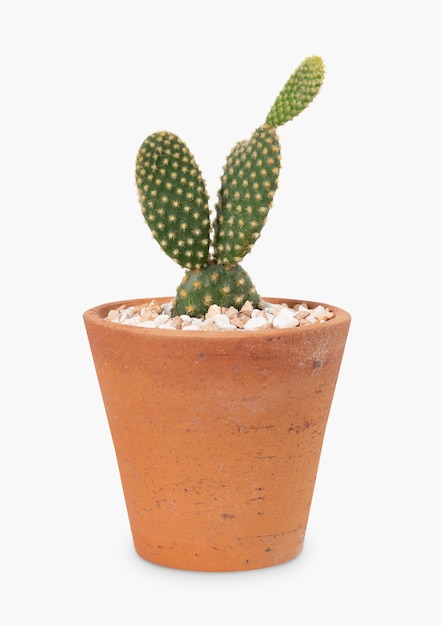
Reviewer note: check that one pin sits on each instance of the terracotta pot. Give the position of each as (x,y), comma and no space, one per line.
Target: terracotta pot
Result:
(217,435)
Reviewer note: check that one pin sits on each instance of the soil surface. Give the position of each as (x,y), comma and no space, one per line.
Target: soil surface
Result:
(154,315)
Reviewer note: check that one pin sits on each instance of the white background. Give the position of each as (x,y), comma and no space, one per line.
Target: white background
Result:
(356,223)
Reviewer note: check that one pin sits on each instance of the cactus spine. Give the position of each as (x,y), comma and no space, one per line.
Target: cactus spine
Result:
(174,201)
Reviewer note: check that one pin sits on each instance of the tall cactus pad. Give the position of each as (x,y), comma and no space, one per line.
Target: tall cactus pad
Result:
(249,183)
(300,89)
(215,284)
(174,200)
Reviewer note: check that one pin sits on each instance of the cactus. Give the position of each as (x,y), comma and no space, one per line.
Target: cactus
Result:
(175,203)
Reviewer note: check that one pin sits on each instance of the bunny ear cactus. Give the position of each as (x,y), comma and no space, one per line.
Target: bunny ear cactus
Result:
(175,203)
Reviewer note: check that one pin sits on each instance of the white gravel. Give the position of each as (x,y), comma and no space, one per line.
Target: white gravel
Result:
(153,315)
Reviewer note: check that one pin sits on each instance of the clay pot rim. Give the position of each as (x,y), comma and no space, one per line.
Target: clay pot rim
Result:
(97,314)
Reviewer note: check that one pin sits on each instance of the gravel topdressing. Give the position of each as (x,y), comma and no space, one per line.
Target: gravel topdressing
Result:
(154,315)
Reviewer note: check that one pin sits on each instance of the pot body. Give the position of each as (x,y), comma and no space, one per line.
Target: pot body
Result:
(217,435)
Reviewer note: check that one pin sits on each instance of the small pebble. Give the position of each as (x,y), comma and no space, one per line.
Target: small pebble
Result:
(256,322)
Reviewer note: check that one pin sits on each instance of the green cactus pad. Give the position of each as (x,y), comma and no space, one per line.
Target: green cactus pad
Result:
(173,197)
(249,183)
(215,284)
(300,89)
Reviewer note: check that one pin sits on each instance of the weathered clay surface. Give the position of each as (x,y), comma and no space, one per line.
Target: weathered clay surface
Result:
(218,435)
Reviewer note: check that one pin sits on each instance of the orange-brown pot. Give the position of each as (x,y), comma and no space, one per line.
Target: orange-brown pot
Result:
(217,435)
